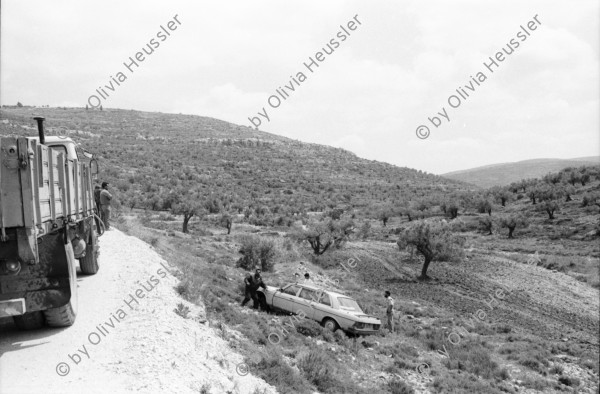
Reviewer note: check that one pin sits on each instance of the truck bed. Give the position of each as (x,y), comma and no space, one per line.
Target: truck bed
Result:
(41,189)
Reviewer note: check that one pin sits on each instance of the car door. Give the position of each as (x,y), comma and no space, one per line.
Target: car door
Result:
(305,302)
(322,306)
(285,299)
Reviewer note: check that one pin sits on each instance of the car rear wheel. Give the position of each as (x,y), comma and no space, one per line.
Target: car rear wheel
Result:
(330,324)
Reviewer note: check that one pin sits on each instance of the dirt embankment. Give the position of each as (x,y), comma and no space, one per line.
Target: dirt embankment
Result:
(127,337)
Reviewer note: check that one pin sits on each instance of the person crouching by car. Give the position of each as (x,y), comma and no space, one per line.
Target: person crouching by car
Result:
(252,283)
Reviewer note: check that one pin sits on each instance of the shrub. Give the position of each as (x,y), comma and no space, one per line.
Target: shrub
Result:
(274,370)
(464,383)
(317,368)
(183,288)
(340,337)
(474,357)
(569,381)
(365,230)
(502,328)
(434,339)
(308,328)
(257,251)
(535,383)
(397,386)
(328,336)
(557,369)
(486,224)
(590,199)
(182,310)
(403,364)
(165,216)
(400,351)
(533,365)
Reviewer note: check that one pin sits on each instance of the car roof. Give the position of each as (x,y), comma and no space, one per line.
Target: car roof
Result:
(313,287)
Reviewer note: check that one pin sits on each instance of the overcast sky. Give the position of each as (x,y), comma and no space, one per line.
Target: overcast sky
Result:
(394,71)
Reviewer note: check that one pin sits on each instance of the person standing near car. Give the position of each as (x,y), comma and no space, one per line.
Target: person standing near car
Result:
(389,312)
(105,198)
(252,283)
(258,282)
(308,280)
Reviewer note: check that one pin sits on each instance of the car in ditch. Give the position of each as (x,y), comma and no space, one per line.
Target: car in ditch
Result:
(332,310)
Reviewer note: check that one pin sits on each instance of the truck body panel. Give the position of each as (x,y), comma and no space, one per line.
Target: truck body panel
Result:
(46,207)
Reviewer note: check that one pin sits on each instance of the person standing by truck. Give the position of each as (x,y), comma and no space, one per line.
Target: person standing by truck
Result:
(105,198)
(97,191)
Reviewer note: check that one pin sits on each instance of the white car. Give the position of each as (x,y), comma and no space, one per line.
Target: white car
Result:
(332,310)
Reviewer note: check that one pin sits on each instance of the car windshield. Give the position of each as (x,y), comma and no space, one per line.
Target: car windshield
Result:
(349,304)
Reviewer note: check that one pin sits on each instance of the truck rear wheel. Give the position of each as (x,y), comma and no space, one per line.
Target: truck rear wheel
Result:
(89,262)
(29,321)
(64,316)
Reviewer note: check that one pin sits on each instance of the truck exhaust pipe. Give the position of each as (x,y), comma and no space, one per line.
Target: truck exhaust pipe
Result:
(40,123)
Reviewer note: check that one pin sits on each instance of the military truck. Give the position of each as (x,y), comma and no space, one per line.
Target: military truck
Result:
(47,223)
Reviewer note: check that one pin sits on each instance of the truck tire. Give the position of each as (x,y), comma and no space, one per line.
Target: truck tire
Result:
(29,321)
(64,316)
(89,262)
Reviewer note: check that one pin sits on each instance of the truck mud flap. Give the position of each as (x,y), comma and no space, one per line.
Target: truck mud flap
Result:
(45,285)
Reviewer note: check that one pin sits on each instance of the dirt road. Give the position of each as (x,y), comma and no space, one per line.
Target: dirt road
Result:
(127,337)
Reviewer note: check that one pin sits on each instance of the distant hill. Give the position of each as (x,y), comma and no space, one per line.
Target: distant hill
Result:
(506,173)
(149,158)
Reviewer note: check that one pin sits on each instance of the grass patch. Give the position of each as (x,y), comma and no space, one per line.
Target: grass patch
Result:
(275,370)
(474,357)
(453,382)
(397,386)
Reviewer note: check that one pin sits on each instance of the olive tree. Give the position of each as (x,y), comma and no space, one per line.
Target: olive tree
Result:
(452,210)
(548,206)
(384,215)
(188,208)
(321,235)
(501,194)
(483,205)
(486,224)
(226,221)
(512,221)
(434,240)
